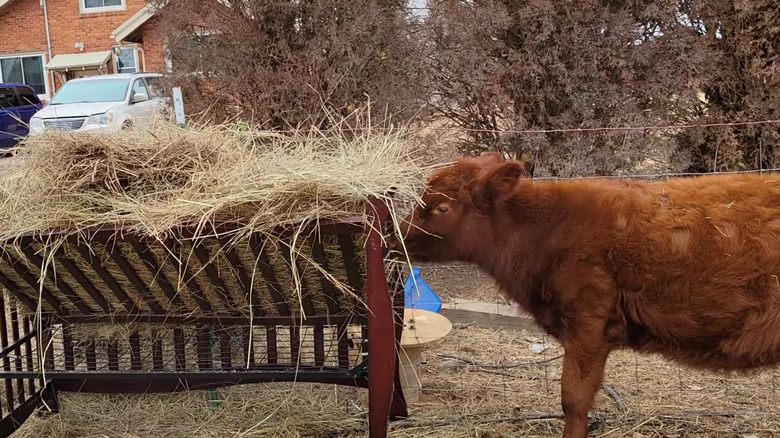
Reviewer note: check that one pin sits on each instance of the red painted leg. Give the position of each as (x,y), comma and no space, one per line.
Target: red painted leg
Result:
(381,330)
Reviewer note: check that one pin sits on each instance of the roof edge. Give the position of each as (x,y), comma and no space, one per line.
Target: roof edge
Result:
(131,24)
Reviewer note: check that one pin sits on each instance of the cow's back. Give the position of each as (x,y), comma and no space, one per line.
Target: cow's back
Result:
(696,263)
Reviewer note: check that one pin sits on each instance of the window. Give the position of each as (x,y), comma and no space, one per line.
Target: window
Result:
(26,70)
(88,6)
(139,88)
(93,90)
(27,96)
(154,85)
(127,61)
(8,98)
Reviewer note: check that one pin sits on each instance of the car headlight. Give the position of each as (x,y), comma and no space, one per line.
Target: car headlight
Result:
(100,119)
(36,123)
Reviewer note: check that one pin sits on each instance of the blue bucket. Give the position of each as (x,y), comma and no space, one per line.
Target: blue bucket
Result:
(418,295)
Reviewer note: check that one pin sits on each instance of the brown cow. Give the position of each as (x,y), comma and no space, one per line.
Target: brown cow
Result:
(687,268)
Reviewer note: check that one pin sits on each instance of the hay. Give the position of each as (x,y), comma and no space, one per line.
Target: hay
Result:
(160,177)
(156,179)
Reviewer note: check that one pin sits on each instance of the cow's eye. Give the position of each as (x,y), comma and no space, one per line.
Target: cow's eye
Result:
(442,209)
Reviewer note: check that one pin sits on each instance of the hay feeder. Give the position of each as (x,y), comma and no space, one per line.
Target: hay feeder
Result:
(122,314)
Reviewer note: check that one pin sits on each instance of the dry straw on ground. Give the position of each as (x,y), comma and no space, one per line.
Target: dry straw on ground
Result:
(497,387)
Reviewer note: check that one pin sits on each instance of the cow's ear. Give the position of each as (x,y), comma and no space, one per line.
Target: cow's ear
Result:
(495,184)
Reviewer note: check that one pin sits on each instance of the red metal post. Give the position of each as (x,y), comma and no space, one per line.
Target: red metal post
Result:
(381,328)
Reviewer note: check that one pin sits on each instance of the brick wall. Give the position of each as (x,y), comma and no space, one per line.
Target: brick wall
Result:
(22,27)
(153,47)
(23,30)
(68,25)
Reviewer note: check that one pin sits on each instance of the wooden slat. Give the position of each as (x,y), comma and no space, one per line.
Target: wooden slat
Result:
(319,345)
(135,352)
(38,262)
(32,281)
(343,345)
(18,353)
(211,273)
(159,276)
(211,320)
(157,352)
(16,291)
(351,262)
(204,348)
(268,274)
(244,279)
(248,347)
(4,341)
(29,354)
(91,356)
(306,303)
(295,344)
(331,296)
(67,340)
(189,281)
(113,357)
(135,280)
(82,280)
(271,345)
(106,278)
(178,347)
(224,350)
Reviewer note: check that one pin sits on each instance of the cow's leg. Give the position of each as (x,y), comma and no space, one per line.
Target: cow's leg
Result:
(583,370)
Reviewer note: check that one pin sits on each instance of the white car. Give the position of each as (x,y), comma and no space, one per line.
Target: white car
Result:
(105,103)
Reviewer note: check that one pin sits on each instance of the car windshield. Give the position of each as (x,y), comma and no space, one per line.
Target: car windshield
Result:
(97,90)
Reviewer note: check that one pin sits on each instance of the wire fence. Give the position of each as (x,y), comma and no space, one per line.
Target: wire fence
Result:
(488,372)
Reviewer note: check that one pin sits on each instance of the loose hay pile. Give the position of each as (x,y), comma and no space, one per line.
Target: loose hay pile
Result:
(161,177)
(157,179)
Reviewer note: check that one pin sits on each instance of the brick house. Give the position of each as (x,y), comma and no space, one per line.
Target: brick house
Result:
(44,43)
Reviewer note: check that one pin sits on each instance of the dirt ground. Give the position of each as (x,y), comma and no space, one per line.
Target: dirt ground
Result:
(476,383)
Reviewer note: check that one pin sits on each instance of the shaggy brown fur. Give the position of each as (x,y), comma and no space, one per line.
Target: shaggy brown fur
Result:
(687,268)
